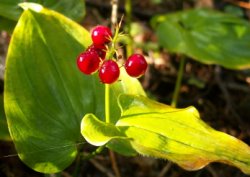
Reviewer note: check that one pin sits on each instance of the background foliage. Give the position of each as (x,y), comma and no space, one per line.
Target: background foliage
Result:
(231,54)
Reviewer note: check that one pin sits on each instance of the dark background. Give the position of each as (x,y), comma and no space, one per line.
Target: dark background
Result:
(222,96)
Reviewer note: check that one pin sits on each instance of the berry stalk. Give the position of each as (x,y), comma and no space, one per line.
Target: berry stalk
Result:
(110,54)
(107,103)
(112,49)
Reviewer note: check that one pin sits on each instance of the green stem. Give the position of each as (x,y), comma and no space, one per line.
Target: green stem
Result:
(112,49)
(94,153)
(128,11)
(107,103)
(178,82)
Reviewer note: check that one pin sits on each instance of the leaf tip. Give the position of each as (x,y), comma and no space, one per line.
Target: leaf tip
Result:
(193,110)
(32,6)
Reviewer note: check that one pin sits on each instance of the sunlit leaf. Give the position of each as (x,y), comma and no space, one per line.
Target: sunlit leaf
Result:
(45,94)
(207,36)
(160,131)
(99,133)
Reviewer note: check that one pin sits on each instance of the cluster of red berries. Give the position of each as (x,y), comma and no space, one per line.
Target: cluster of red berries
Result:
(94,58)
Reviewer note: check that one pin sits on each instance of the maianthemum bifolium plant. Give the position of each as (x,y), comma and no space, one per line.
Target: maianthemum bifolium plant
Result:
(52,108)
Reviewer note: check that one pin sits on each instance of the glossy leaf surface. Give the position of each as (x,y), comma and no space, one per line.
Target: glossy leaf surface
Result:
(160,131)
(207,36)
(99,133)
(74,9)
(45,94)
(9,9)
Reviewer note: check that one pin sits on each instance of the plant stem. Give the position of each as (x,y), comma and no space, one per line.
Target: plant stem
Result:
(128,11)
(107,103)
(114,4)
(178,82)
(114,164)
(115,29)
(92,154)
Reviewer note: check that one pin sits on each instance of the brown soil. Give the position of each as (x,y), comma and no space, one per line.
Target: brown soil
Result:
(222,97)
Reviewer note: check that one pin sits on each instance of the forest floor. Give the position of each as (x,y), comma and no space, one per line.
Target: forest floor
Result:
(222,97)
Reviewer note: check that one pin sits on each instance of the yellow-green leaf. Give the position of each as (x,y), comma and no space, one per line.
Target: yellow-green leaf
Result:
(99,133)
(178,135)
(160,131)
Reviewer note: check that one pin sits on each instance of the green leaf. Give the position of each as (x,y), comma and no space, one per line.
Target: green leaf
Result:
(7,25)
(99,133)
(45,94)
(91,124)
(207,36)
(10,10)
(74,9)
(160,131)
(235,10)
(178,135)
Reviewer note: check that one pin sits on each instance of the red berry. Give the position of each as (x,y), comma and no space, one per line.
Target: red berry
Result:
(101,35)
(100,49)
(109,72)
(88,62)
(136,65)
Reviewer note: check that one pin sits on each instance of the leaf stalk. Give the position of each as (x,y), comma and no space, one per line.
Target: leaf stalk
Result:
(178,82)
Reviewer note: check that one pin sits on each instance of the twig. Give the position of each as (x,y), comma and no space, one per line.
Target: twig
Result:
(222,87)
(212,171)
(229,103)
(198,174)
(165,169)
(101,168)
(114,164)
(65,174)
(238,87)
(52,175)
